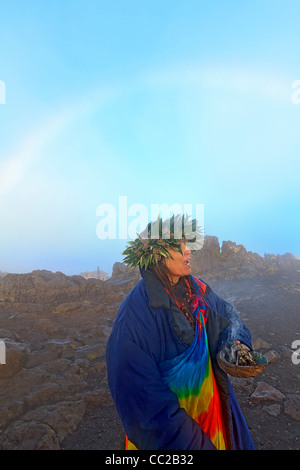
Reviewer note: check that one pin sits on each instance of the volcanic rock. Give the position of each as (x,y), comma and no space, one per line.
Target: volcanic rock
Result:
(16,354)
(266,392)
(55,328)
(234,260)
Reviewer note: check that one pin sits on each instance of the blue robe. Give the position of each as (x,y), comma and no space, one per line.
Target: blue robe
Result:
(150,329)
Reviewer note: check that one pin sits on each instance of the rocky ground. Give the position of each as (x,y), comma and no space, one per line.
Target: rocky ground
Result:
(53,387)
(269,306)
(55,355)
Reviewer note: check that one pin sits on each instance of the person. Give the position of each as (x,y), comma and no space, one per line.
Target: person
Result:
(162,371)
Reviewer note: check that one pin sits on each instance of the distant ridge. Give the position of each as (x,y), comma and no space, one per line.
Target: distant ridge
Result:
(229,261)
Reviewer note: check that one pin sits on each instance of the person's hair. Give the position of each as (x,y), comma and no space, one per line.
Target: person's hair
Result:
(161,272)
(178,291)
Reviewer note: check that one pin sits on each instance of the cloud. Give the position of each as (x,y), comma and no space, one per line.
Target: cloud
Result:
(14,165)
(245,79)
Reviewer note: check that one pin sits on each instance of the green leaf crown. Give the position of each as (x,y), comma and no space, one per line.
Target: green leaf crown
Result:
(146,250)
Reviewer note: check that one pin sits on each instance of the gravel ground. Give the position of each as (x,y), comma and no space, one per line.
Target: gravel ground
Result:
(269,306)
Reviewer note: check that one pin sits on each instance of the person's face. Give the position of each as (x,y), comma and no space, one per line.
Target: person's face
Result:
(180,265)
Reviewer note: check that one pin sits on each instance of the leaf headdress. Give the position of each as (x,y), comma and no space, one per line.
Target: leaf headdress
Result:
(152,245)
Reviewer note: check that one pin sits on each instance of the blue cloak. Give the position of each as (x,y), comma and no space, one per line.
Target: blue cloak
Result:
(149,329)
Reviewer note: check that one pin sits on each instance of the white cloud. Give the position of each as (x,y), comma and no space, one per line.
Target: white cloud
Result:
(15,164)
(223,77)
(13,167)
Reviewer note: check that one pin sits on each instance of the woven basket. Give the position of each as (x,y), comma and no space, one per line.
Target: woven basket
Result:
(243,371)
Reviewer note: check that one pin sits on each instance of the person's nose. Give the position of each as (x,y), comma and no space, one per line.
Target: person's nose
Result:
(186,251)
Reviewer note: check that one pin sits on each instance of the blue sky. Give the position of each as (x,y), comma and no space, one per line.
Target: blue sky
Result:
(162,102)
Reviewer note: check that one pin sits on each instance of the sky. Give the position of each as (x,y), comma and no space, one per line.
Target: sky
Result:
(162,102)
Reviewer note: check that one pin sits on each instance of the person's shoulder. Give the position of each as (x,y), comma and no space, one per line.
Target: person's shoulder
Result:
(137,294)
(135,304)
(135,318)
(203,285)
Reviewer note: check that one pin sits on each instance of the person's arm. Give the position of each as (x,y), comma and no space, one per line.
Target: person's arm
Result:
(149,410)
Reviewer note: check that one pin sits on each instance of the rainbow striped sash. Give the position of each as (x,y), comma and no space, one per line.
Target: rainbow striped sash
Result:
(191,377)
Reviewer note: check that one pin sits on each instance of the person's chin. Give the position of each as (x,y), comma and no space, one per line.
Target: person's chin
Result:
(187,270)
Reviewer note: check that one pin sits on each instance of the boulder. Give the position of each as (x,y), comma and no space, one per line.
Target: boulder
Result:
(265,392)
(271,356)
(272,410)
(62,417)
(29,435)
